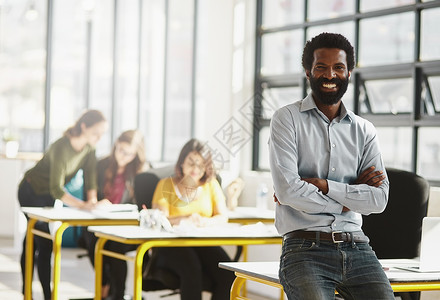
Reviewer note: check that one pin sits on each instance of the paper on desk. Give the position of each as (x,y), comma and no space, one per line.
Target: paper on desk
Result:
(122,215)
(115,208)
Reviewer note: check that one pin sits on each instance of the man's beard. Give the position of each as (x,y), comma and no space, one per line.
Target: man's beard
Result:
(328,98)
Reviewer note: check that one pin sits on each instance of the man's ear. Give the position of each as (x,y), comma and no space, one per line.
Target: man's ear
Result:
(308,74)
(349,74)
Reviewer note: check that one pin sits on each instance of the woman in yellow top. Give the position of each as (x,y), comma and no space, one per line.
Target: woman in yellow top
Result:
(194,195)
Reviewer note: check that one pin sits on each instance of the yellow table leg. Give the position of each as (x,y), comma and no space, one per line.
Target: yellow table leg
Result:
(98,267)
(29,260)
(236,288)
(139,260)
(239,283)
(57,259)
(245,258)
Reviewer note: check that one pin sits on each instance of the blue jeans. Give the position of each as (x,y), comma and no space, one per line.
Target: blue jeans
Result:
(312,270)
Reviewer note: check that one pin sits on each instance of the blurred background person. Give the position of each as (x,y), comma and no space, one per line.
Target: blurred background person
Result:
(45,182)
(116,174)
(194,195)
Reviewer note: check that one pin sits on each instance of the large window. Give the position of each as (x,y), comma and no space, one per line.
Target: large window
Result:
(132,59)
(396,82)
(22,71)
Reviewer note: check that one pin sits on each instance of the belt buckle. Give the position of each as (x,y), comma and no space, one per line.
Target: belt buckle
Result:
(333,237)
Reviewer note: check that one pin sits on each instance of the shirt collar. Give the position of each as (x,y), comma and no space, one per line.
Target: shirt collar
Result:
(308,103)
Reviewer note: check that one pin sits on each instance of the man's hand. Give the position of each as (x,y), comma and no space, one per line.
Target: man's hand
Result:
(321,184)
(275,199)
(371,177)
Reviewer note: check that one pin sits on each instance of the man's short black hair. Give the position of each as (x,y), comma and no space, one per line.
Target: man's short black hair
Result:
(327,40)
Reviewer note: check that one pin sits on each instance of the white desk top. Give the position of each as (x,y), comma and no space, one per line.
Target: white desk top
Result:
(112,212)
(269,270)
(228,230)
(395,274)
(244,212)
(129,211)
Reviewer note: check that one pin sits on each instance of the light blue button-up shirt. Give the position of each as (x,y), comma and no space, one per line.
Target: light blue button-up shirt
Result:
(303,143)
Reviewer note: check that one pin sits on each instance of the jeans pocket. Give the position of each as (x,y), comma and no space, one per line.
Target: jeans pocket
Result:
(293,246)
(363,247)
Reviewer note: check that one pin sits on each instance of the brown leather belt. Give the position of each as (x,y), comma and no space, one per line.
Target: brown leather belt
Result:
(335,236)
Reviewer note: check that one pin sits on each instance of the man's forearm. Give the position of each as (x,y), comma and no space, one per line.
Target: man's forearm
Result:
(321,184)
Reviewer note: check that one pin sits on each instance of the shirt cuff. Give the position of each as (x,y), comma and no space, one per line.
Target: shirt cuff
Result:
(333,207)
(336,191)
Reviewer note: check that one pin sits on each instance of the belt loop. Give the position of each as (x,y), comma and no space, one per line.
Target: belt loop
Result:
(318,239)
(353,244)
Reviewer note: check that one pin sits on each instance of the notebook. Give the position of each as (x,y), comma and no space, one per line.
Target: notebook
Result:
(429,247)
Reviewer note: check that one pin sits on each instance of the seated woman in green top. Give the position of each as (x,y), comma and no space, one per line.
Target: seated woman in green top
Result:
(45,182)
(194,195)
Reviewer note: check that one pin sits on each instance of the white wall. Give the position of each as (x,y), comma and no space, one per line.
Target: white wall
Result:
(434,202)
(225,82)
(12,221)
(213,91)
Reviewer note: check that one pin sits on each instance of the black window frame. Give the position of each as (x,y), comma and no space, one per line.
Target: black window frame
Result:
(417,70)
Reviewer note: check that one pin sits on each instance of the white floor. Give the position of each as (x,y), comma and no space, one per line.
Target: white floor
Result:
(77,277)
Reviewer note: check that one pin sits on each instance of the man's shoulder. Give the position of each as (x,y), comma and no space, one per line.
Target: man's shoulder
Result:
(358,119)
(289,109)
(361,122)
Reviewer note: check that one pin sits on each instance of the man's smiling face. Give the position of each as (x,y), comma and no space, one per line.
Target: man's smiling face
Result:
(329,75)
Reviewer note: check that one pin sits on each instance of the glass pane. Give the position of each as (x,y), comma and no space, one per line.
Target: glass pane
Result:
(390,95)
(329,9)
(344,28)
(280,13)
(68,91)
(152,77)
(100,23)
(178,81)
(386,40)
(429,39)
(281,53)
(434,85)
(368,5)
(348,98)
(263,159)
(395,143)
(428,160)
(127,62)
(22,73)
(275,98)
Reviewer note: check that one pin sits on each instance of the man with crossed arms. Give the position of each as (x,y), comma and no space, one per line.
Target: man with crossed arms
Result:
(327,171)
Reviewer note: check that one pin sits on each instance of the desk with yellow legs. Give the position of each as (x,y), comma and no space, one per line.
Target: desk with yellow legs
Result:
(249,215)
(267,273)
(66,217)
(231,234)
